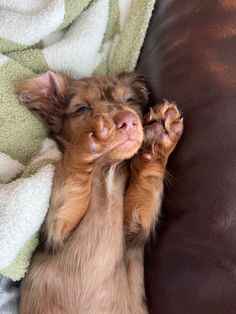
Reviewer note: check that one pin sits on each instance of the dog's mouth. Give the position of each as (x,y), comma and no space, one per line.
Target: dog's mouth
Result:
(125,146)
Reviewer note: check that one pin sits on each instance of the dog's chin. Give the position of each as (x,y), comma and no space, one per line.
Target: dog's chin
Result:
(124,150)
(125,145)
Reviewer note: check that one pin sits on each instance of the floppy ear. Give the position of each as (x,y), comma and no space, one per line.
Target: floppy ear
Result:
(45,96)
(137,83)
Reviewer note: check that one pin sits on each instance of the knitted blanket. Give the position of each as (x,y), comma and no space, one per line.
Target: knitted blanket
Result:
(78,37)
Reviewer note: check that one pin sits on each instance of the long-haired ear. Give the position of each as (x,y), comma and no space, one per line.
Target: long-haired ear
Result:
(137,83)
(45,96)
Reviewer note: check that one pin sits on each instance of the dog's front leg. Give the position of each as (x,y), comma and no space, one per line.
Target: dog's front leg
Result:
(163,127)
(72,182)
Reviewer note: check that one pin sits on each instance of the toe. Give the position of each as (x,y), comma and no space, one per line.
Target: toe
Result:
(171,113)
(103,128)
(176,127)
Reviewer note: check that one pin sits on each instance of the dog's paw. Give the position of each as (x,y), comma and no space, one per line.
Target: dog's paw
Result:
(95,138)
(163,127)
(54,236)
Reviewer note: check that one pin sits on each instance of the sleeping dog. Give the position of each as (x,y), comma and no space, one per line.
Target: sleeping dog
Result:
(106,193)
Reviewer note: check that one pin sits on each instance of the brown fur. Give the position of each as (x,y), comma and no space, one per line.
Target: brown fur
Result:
(102,209)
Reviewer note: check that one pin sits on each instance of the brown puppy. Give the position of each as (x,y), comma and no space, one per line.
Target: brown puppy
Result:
(102,209)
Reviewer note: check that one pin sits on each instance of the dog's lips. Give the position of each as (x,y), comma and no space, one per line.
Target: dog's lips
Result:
(126,142)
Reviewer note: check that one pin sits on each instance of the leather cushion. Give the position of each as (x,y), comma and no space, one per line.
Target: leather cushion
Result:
(189,56)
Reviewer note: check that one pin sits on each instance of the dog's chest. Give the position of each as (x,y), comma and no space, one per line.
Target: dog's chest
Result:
(100,233)
(99,241)
(108,190)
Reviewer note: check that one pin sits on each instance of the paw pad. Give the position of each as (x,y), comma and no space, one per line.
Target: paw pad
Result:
(163,127)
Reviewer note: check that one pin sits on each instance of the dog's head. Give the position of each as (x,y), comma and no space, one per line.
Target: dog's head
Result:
(66,106)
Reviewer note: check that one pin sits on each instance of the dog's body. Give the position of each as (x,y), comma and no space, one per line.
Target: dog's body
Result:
(93,272)
(102,208)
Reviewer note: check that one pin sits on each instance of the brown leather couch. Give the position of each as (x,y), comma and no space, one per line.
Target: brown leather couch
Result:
(189,57)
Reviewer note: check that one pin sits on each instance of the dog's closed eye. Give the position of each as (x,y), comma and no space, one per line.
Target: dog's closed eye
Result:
(129,99)
(79,110)
(82,109)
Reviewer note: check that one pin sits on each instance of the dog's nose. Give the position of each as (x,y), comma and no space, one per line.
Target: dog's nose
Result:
(126,121)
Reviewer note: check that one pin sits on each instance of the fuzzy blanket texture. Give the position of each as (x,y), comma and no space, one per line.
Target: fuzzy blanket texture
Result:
(78,37)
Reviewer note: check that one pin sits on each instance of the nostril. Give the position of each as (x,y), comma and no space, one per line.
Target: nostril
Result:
(122,125)
(125,120)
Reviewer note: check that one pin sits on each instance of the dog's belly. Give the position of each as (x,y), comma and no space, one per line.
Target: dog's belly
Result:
(89,274)
(98,247)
